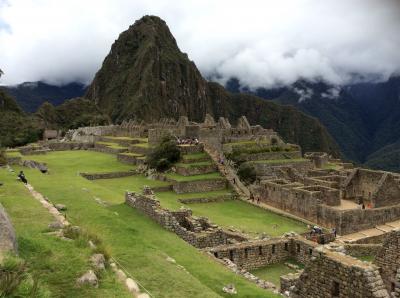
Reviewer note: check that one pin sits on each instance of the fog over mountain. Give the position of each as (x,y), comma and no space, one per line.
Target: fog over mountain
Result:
(262,43)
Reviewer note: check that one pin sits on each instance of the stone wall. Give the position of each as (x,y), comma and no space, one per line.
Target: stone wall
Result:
(199,185)
(330,274)
(64,146)
(255,254)
(195,169)
(207,199)
(263,169)
(8,240)
(388,259)
(260,253)
(358,250)
(130,159)
(350,221)
(270,155)
(198,232)
(108,175)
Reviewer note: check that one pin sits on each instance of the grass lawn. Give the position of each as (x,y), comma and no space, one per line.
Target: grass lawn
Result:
(130,183)
(280,161)
(273,272)
(112,145)
(198,155)
(143,145)
(169,199)
(132,154)
(246,217)
(180,178)
(137,242)
(57,263)
(13,153)
(366,258)
(194,164)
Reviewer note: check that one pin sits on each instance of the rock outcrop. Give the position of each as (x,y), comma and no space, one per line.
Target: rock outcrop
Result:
(8,240)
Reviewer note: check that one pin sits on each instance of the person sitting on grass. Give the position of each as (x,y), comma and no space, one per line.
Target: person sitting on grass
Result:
(22,177)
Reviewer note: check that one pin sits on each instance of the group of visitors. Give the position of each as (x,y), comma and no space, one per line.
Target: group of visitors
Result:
(193,141)
(254,198)
(315,230)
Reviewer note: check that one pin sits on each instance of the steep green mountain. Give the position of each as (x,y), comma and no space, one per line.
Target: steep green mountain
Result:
(31,95)
(146,76)
(16,128)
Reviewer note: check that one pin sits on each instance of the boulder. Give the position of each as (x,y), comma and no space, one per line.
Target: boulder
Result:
(229,289)
(89,278)
(56,225)
(98,261)
(60,207)
(8,240)
(132,285)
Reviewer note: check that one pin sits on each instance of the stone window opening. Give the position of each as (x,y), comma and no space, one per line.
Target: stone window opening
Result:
(335,289)
(216,254)
(310,251)
(273,248)
(298,247)
(393,287)
(286,246)
(246,253)
(231,255)
(260,250)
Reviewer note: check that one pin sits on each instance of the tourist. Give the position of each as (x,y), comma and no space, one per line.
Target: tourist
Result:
(258,199)
(334,232)
(22,177)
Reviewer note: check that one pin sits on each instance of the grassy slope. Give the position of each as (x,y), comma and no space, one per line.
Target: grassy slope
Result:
(273,272)
(137,242)
(56,262)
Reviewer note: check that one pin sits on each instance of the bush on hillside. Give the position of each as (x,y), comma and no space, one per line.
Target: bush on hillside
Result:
(247,173)
(164,155)
(15,280)
(3,159)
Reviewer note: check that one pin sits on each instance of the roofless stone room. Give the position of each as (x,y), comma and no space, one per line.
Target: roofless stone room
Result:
(199,149)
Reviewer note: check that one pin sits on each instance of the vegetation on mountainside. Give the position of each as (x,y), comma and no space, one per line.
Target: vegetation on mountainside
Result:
(164,155)
(71,114)
(3,159)
(16,128)
(247,173)
(138,243)
(157,80)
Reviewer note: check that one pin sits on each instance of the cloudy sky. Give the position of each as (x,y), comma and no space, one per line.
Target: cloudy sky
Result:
(263,43)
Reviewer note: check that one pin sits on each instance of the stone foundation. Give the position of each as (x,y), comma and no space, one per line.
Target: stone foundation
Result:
(196,170)
(109,175)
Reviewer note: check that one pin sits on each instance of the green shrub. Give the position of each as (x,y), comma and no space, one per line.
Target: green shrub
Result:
(247,173)
(3,159)
(15,281)
(164,155)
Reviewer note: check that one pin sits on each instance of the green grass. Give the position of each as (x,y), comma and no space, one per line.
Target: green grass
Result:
(331,166)
(143,145)
(247,218)
(181,178)
(194,164)
(136,241)
(130,183)
(198,155)
(112,145)
(366,258)
(273,272)
(169,199)
(132,154)
(57,263)
(280,161)
(13,154)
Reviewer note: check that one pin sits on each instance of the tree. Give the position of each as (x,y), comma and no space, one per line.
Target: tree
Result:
(164,155)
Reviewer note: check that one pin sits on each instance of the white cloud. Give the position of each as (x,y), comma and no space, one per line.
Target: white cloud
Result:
(264,43)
